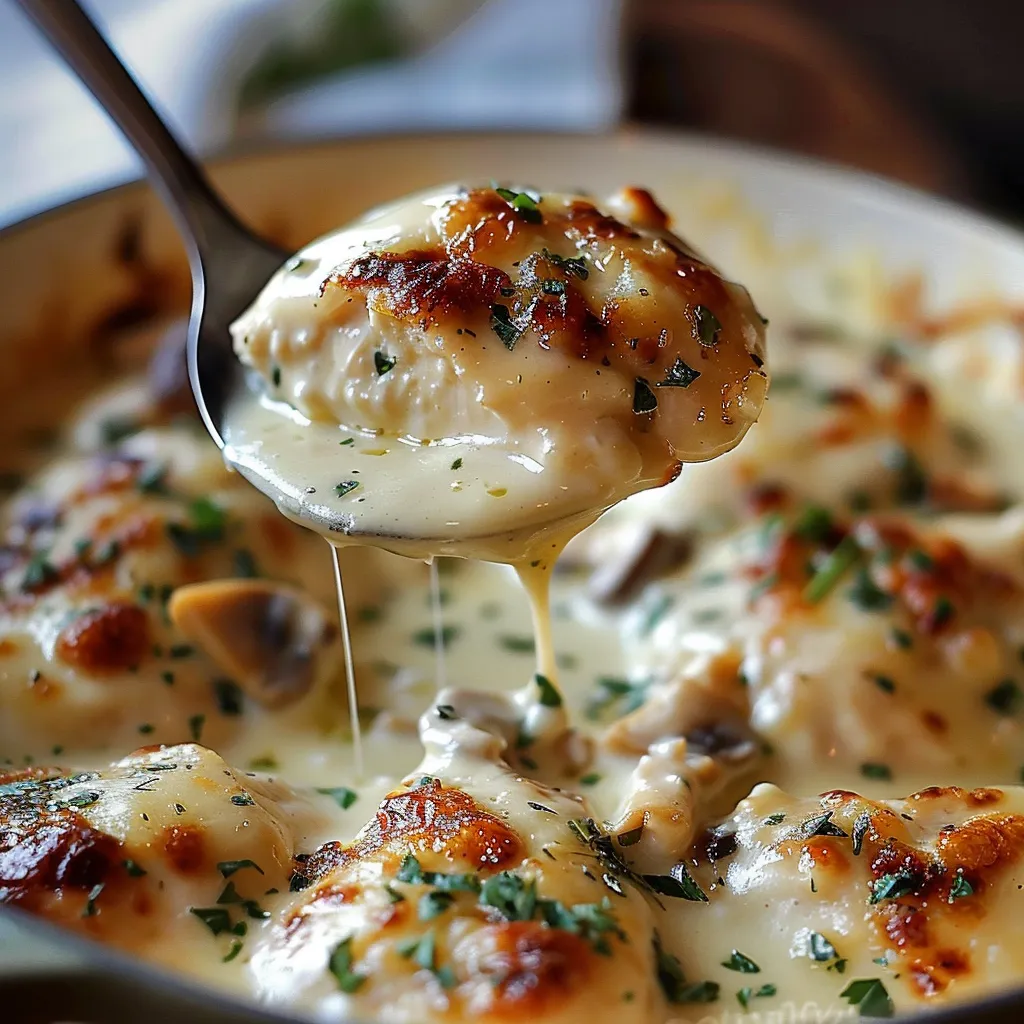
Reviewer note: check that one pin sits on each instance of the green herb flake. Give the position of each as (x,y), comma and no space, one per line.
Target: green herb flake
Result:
(884,683)
(90,909)
(228,695)
(673,982)
(821,825)
(866,595)
(383,363)
(517,644)
(228,867)
(590,779)
(874,770)
(457,464)
(245,564)
(345,487)
(433,904)
(549,695)
(814,524)
(242,800)
(340,965)
(820,949)
(504,327)
(960,888)
(860,830)
(236,948)
(1005,698)
(348,440)
(217,919)
(152,478)
(835,566)
(428,636)
(195,725)
(523,203)
(892,886)
(39,572)
(678,375)
(870,997)
(552,286)
(132,868)
(744,995)
(574,265)
(644,399)
(901,638)
(743,964)
(708,325)
(341,795)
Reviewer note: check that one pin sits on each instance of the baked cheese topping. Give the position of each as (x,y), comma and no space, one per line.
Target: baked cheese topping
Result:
(696,807)
(473,360)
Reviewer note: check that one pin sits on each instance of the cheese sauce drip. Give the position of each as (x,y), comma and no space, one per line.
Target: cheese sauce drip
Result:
(483,371)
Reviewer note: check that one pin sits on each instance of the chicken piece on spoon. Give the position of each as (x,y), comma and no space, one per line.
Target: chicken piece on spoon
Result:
(480,362)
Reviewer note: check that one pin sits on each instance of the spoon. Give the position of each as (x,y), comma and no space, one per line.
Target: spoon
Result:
(229,264)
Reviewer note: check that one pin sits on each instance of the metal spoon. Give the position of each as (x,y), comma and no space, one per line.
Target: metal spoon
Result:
(229,263)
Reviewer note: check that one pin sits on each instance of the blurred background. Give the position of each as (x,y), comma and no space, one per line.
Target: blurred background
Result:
(930,92)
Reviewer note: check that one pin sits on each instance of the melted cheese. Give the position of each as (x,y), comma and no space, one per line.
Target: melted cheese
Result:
(701,672)
(461,373)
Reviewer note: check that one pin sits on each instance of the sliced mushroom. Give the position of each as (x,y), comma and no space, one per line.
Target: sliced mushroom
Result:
(274,640)
(653,554)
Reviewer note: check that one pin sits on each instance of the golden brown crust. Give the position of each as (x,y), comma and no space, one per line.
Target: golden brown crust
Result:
(428,817)
(108,639)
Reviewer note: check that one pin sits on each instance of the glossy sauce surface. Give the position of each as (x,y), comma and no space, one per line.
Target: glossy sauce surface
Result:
(832,611)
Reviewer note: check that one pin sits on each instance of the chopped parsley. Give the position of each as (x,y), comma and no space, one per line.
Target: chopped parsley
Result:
(549,695)
(433,904)
(341,795)
(884,683)
(621,694)
(228,867)
(422,952)
(835,566)
(821,825)
(195,726)
(457,464)
(523,203)
(517,644)
(242,800)
(90,903)
(901,638)
(892,886)
(866,595)
(504,327)
(340,965)
(960,888)
(815,524)
(1004,699)
(744,995)
(228,695)
(428,636)
(206,521)
(217,919)
(644,399)
(874,770)
(383,363)
(133,869)
(870,997)
(245,564)
(708,325)
(152,478)
(860,830)
(552,286)
(678,884)
(345,487)
(575,265)
(590,779)
(673,982)
(236,948)
(820,949)
(911,479)
(678,375)
(738,962)
(39,572)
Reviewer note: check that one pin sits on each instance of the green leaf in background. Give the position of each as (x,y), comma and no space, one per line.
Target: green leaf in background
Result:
(348,33)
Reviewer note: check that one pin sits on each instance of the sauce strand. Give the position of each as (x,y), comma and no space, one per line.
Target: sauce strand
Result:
(350,672)
(435,604)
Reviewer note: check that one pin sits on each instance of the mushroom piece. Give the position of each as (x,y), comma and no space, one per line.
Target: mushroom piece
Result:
(274,640)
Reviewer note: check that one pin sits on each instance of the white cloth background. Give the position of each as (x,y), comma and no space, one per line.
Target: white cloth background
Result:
(503,63)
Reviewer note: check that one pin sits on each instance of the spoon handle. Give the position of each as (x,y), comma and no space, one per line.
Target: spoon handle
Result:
(202,217)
